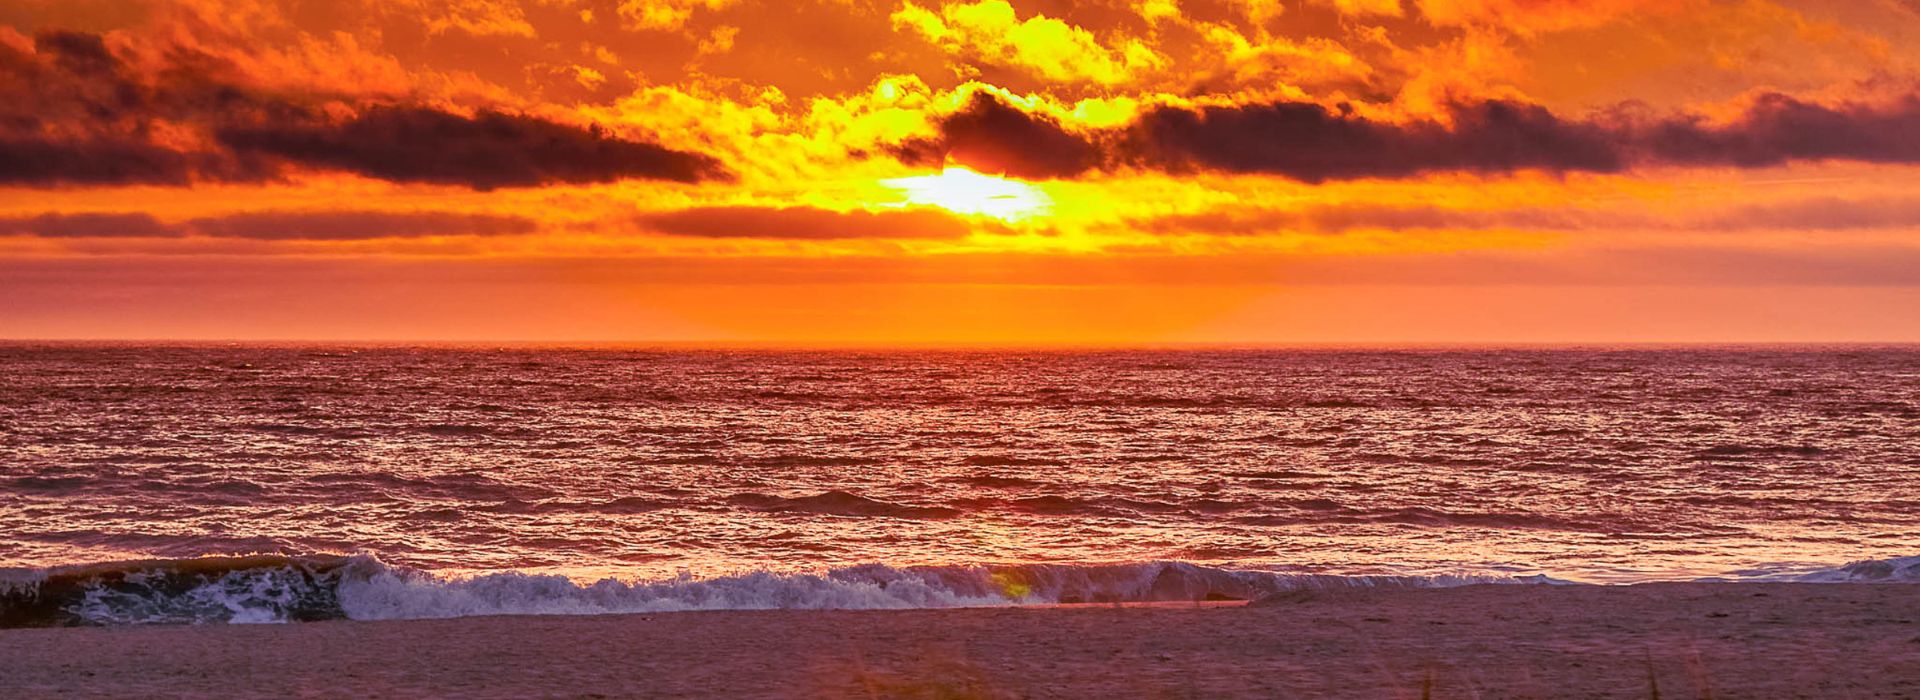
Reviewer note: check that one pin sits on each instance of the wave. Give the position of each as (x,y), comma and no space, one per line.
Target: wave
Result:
(284,588)
(626,505)
(1321,511)
(279,588)
(840,503)
(258,588)
(1758,451)
(1897,570)
(1099,506)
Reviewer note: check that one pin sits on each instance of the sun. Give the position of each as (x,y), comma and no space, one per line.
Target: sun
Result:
(964,191)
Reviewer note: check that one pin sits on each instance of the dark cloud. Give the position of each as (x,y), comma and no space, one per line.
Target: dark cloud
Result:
(39,161)
(271,225)
(356,225)
(1778,129)
(87,226)
(1818,214)
(805,223)
(1314,143)
(77,52)
(74,113)
(1300,140)
(277,225)
(1343,218)
(74,85)
(485,151)
(992,136)
(1831,214)
(1311,143)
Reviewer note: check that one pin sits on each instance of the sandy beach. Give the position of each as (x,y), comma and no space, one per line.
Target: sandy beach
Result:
(1661,640)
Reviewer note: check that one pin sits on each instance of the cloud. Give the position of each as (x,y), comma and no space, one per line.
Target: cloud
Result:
(478,18)
(131,225)
(1353,217)
(805,223)
(485,151)
(355,225)
(1368,8)
(74,113)
(1313,143)
(1818,214)
(1533,16)
(990,31)
(991,136)
(663,15)
(1300,140)
(70,86)
(71,113)
(270,225)
(1815,214)
(1778,128)
(76,52)
(37,161)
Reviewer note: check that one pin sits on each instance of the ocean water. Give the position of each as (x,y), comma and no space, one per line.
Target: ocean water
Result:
(259,483)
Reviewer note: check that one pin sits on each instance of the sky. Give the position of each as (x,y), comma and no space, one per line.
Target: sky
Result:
(961,172)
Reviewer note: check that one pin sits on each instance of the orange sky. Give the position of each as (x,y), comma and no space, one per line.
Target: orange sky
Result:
(997,171)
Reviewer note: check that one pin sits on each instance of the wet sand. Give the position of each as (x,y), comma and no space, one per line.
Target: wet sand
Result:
(1663,640)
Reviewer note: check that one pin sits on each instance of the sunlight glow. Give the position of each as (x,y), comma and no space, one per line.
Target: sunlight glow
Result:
(964,191)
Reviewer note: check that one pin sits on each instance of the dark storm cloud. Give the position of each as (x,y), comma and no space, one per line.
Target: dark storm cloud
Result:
(806,223)
(73,113)
(1313,143)
(992,136)
(485,151)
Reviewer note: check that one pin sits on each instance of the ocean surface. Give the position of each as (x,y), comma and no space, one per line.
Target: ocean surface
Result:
(260,483)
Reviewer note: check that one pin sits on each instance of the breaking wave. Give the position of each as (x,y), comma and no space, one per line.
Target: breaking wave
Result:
(1896,570)
(275,588)
(279,588)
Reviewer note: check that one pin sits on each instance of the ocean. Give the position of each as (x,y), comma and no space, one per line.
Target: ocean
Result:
(277,482)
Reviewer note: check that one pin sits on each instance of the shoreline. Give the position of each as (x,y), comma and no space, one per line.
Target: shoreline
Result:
(1747,640)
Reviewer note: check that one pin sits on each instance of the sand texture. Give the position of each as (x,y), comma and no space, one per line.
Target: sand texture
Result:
(1663,640)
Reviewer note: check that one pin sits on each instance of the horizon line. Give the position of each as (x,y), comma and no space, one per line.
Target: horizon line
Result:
(966,345)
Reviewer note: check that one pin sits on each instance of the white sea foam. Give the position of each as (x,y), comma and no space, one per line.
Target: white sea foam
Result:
(283,589)
(18,577)
(280,589)
(393,595)
(249,596)
(1896,570)
(400,594)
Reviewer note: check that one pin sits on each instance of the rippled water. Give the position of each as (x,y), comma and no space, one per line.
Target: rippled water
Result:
(1601,465)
